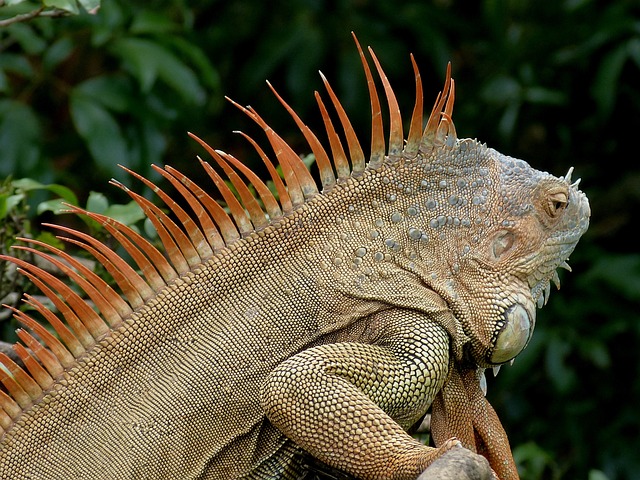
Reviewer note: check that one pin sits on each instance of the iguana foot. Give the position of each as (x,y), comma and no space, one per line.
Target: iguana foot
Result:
(449,444)
(459,464)
(410,464)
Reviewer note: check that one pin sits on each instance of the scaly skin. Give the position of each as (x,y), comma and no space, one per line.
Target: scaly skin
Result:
(489,252)
(327,323)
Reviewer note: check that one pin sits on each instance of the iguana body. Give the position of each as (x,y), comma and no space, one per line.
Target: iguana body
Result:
(329,325)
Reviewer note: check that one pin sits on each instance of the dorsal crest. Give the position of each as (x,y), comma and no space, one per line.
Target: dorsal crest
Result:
(190,238)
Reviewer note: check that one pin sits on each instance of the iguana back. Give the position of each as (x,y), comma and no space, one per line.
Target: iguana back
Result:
(164,382)
(147,400)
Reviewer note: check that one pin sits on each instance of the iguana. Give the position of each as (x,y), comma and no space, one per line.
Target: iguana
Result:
(303,321)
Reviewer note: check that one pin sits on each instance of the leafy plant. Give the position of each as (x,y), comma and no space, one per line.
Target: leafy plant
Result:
(47,8)
(17,199)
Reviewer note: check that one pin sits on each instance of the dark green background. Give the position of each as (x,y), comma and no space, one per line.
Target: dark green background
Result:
(555,83)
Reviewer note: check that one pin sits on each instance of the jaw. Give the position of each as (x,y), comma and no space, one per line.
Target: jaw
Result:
(519,317)
(498,323)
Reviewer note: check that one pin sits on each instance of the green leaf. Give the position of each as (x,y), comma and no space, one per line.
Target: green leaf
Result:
(149,61)
(148,21)
(28,184)
(141,57)
(20,138)
(595,350)
(97,202)
(152,142)
(13,2)
(50,239)
(99,130)
(621,272)
(634,50)
(58,52)
(109,24)
(111,91)
(605,86)
(128,213)
(309,160)
(202,63)
(597,475)
(533,461)
(543,95)
(9,202)
(91,6)
(12,62)
(55,205)
(64,192)
(509,119)
(560,372)
(149,229)
(70,6)
(502,90)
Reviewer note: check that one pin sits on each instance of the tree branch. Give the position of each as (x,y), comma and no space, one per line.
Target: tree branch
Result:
(25,17)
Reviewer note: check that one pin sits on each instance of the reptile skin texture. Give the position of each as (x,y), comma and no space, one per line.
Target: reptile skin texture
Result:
(309,318)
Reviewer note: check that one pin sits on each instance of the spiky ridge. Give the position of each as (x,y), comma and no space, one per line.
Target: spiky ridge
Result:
(198,236)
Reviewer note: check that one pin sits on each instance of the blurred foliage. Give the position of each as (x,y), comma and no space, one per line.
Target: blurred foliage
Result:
(17,197)
(555,83)
(15,11)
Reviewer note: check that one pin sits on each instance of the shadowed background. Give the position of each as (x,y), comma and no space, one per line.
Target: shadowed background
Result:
(553,83)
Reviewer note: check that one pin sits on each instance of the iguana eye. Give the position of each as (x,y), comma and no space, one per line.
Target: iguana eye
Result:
(556,202)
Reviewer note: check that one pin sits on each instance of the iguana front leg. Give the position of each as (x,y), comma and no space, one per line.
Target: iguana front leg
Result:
(461,410)
(346,403)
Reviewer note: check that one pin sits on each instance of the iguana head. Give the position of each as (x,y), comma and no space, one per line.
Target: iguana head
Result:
(504,229)
(483,230)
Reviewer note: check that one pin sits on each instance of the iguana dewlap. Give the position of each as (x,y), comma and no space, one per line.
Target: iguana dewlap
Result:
(320,322)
